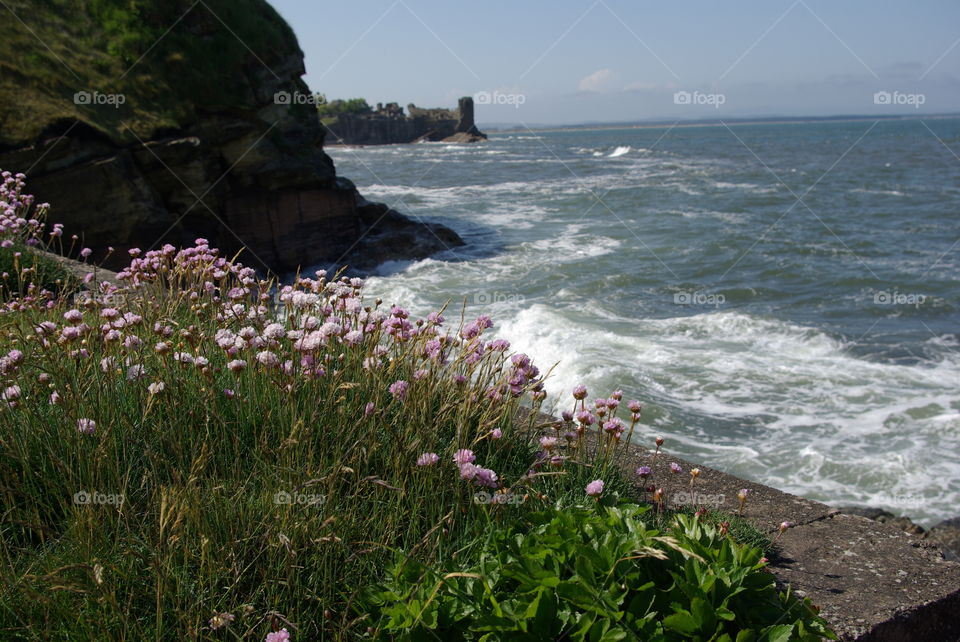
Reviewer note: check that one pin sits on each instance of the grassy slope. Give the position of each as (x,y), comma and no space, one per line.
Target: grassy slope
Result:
(54,48)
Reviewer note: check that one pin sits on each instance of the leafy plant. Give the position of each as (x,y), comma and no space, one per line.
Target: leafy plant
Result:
(596,573)
(348,106)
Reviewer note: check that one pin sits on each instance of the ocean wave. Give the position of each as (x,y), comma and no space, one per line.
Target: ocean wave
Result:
(883,192)
(798,388)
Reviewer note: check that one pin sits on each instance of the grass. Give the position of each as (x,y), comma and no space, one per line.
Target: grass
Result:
(56,48)
(202,454)
(200,528)
(42,271)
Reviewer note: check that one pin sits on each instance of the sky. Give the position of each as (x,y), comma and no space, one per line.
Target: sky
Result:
(568,62)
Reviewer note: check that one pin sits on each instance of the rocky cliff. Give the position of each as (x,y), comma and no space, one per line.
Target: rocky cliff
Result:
(389,125)
(157,121)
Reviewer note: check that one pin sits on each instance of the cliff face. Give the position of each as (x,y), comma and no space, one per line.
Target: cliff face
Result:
(157,121)
(389,125)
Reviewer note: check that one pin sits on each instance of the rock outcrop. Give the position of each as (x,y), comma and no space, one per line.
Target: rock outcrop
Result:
(945,535)
(185,120)
(389,125)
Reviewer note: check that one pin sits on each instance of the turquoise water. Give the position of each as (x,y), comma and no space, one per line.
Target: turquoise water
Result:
(782,297)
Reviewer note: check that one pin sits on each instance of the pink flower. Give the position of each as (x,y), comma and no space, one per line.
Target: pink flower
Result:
(496,433)
(236,365)
(675,467)
(274,331)
(580,392)
(74,316)
(268,359)
(86,426)
(595,488)
(586,418)
(156,388)
(399,389)
(428,459)
(228,393)
(369,408)
(463,456)
(12,393)
(278,636)
(485,477)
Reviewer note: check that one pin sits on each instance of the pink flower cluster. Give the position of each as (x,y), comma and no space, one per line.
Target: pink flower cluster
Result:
(19,219)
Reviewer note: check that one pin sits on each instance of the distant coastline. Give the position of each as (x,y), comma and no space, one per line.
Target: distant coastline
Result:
(712,122)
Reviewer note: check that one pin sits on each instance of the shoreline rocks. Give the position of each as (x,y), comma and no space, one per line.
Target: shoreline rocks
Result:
(388,125)
(945,534)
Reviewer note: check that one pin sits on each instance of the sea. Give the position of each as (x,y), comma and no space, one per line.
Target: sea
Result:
(781,296)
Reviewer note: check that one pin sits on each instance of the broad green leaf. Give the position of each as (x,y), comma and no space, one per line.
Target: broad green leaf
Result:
(681,622)
(779,633)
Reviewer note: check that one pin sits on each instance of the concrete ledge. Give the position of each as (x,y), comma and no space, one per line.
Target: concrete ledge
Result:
(872,582)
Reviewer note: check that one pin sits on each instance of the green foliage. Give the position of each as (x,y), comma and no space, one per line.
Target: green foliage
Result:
(349,106)
(159,54)
(33,267)
(596,574)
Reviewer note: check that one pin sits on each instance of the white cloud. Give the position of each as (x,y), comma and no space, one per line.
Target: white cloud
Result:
(641,86)
(597,81)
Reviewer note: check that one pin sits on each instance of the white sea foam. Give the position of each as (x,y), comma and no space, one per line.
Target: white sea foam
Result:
(810,394)
(620,151)
(883,192)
